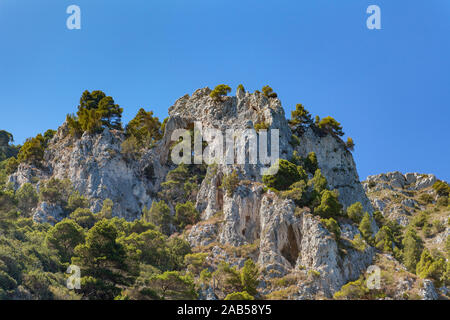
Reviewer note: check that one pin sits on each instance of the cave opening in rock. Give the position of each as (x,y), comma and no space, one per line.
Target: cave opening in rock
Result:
(290,249)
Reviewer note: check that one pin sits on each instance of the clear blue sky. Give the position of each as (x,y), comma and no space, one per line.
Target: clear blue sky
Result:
(389,88)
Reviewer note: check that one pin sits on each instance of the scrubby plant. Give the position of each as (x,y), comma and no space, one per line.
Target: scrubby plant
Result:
(249,277)
(365,227)
(261,126)
(329,206)
(333,227)
(219,91)
(300,116)
(287,174)
(268,92)
(318,182)
(330,125)
(241,87)
(429,267)
(412,248)
(11,165)
(186,214)
(244,295)
(159,215)
(350,144)
(355,212)
(27,198)
(310,163)
(64,237)
(142,131)
(352,291)
(230,182)
(295,141)
(32,151)
(56,191)
(426,198)
(441,188)
(96,111)
(84,218)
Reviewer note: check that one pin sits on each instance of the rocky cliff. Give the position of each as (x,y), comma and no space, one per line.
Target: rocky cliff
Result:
(285,240)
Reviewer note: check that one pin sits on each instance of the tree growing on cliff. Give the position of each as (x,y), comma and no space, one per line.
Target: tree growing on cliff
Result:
(145,128)
(96,111)
(350,144)
(268,92)
(219,91)
(32,151)
(330,125)
(412,248)
(288,173)
(300,116)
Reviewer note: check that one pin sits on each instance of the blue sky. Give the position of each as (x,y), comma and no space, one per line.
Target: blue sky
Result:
(389,88)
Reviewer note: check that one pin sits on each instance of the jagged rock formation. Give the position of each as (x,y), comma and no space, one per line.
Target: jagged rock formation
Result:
(394,194)
(286,241)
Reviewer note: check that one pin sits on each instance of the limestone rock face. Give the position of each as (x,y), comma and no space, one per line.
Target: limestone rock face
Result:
(428,292)
(393,193)
(337,165)
(47,212)
(285,241)
(98,170)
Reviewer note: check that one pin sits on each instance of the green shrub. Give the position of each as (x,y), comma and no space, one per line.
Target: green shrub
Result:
(442,201)
(27,198)
(300,193)
(430,268)
(96,111)
(220,91)
(355,212)
(240,86)
(295,141)
(384,239)
(333,227)
(426,198)
(230,182)
(186,214)
(32,151)
(249,277)
(287,174)
(379,218)
(84,218)
(358,243)
(366,227)
(268,92)
(159,215)
(350,144)
(64,237)
(329,206)
(300,116)
(310,163)
(412,248)
(318,182)
(352,291)
(77,201)
(261,126)
(239,296)
(330,125)
(442,188)
(144,129)
(56,191)
(11,165)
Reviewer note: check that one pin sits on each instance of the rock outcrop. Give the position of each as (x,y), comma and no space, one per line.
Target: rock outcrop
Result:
(288,240)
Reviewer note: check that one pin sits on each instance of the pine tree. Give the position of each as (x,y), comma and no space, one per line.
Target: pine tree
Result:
(412,247)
